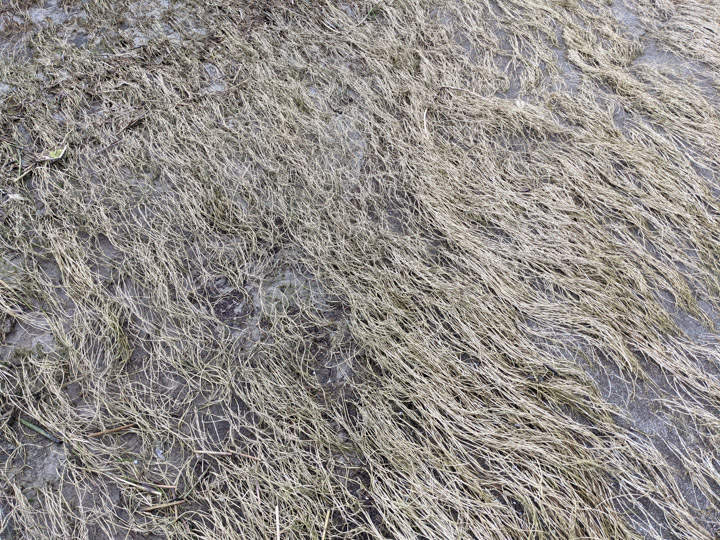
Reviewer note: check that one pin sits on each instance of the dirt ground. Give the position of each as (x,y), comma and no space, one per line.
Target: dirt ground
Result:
(359,269)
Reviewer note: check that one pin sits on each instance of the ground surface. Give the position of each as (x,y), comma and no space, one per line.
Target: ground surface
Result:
(393,269)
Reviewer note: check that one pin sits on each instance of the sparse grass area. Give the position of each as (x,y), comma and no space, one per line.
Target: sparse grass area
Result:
(389,269)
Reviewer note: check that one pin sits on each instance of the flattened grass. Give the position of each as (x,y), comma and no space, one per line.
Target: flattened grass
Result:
(359,270)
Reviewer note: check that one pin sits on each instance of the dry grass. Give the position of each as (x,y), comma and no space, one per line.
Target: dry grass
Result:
(359,270)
